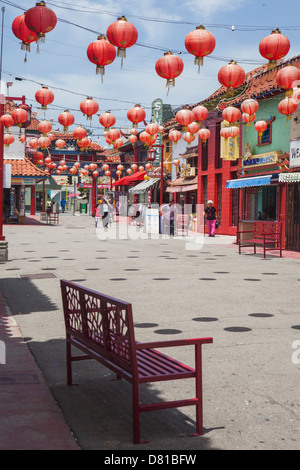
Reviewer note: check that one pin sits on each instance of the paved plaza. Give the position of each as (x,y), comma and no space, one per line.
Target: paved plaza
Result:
(248,304)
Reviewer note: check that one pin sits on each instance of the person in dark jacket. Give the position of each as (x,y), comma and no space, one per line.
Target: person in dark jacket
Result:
(211,219)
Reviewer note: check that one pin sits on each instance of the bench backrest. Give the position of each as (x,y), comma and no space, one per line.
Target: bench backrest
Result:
(101,322)
(270,228)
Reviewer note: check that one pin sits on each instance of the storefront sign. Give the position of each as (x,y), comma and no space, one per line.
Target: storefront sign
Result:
(261,159)
(294,153)
(23,181)
(187,170)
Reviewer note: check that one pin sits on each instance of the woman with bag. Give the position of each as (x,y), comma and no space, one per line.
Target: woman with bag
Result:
(211,219)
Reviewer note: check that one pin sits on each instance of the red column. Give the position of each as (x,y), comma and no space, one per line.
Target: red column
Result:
(1,168)
(282,210)
(94,193)
(32,200)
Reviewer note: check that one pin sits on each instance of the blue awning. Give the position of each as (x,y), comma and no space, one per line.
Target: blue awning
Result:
(249,182)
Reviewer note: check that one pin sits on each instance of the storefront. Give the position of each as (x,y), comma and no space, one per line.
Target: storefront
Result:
(147,190)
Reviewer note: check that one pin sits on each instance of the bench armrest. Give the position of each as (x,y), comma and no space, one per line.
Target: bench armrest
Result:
(245,231)
(172,343)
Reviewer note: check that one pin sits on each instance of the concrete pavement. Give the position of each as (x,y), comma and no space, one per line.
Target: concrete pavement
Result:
(250,306)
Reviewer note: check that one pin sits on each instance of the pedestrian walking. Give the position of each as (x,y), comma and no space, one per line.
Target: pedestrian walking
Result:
(105,214)
(169,218)
(98,213)
(211,219)
(63,205)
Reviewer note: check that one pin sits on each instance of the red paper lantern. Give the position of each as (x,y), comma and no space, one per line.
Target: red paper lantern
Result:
(84,143)
(101,53)
(200,113)
(274,47)
(200,43)
(93,166)
(176,162)
(66,119)
(129,171)
(136,114)
(234,131)
(79,133)
(48,159)
(184,117)
(118,143)
(152,128)
(44,97)
(133,131)
(204,134)
(60,143)
(23,33)
(144,137)
(169,66)
(107,120)
(40,19)
(120,167)
(231,114)
(188,137)
(231,76)
(77,165)
(123,35)
(194,127)
(19,115)
(22,138)
(33,143)
(113,134)
(89,107)
(132,139)
(287,107)
(174,135)
(44,142)
(8,139)
(148,166)
(248,118)
(134,166)
(225,132)
(260,127)
(105,167)
(249,106)
(44,127)
(7,121)
(287,78)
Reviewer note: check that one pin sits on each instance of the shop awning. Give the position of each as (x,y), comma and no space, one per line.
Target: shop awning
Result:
(128,180)
(289,178)
(144,186)
(250,182)
(182,189)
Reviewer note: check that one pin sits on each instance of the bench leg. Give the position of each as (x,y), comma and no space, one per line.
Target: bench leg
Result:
(136,414)
(199,397)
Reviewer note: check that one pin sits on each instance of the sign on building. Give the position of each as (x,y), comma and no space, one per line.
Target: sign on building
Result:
(295,153)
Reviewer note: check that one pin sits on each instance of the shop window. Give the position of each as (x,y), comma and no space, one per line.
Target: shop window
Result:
(204,190)
(204,156)
(260,203)
(234,202)
(219,197)
(218,159)
(266,137)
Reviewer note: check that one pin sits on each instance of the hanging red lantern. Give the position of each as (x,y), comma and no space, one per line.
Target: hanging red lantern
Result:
(132,139)
(225,132)
(200,43)
(118,143)
(249,106)
(44,127)
(200,113)
(287,78)
(118,173)
(44,142)
(152,128)
(84,143)
(248,118)
(120,167)
(193,128)
(129,171)
(66,119)
(144,137)
(101,53)
(8,139)
(287,107)
(44,97)
(93,166)
(113,134)
(19,115)
(22,138)
(176,162)
(152,139)
(7,121)
(133,131)
(136,114)
(48,159)
(174,135)
(77,165)
(234,131)
(148,166)
(231,114)
(107,120)
(23,33)
(188,137)
(184,117)
(231,76)
(169,66)
(107,173)
(79,133)
(33,143)
(260,127)
(134,166)
(60,143)
(41,20)
(89,107)
(274,47)
(204,134)
(161,129)
(123,35)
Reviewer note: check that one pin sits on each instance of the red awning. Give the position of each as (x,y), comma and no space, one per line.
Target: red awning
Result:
(128,180)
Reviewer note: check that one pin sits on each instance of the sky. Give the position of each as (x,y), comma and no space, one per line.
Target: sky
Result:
(63,66)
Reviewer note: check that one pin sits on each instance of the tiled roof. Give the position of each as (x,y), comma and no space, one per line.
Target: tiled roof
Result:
(190,152)
(25,168)
(259,83)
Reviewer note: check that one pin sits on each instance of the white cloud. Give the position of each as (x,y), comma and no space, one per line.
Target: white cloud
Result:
(208,8)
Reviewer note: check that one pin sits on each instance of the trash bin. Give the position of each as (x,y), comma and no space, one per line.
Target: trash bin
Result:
(83,208)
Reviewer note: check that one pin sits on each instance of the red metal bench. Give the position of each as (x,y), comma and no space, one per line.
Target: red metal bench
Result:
(52,217)
(102,327)
(264,233)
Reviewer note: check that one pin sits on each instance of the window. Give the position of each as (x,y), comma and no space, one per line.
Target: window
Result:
(204,156)
(218,159)
(266,138)
(260,203)
(219,197)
